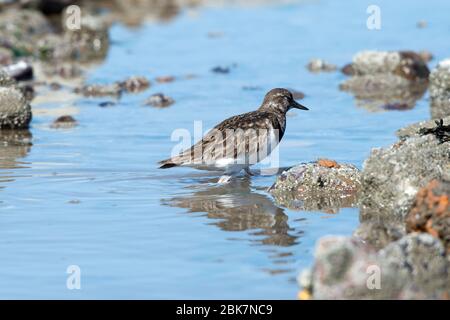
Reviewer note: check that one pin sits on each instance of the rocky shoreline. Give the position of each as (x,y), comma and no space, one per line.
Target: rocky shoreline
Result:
(403,197)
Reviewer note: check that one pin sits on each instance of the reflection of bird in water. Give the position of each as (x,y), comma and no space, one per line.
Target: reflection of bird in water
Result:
(239,209)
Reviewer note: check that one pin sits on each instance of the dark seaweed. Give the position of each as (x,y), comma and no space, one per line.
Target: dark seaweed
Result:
(441,132)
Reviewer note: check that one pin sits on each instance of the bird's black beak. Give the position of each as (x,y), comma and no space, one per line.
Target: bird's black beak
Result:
(297,105)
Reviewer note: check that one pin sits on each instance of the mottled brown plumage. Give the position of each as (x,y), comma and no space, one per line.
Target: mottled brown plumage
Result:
(240,138)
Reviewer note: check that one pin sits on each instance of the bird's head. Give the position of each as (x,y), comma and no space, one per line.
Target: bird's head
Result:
(280,100)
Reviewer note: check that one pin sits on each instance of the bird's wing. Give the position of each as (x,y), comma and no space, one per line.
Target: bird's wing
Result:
(238,137)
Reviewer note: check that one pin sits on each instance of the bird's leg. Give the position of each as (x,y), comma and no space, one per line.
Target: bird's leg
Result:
(248,172)
(224,179)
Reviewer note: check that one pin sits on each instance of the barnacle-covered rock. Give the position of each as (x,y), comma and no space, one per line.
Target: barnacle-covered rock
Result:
(15,112)
(323,185)
(414,267)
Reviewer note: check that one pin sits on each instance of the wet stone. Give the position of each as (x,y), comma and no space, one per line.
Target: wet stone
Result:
(64,122)
(159,100)
(135,84)
(386,80)
(323,185)
(319,65)
(413,267)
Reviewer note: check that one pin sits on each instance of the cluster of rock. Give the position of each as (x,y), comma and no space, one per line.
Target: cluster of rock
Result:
(401,250)
(383,80)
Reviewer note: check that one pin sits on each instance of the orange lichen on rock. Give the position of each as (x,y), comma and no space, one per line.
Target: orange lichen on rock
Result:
(430,212)
(327,163)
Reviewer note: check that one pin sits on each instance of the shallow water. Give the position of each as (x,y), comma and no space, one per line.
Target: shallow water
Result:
(92,196)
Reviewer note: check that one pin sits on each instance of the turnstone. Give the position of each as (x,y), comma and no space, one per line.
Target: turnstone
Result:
(240,141)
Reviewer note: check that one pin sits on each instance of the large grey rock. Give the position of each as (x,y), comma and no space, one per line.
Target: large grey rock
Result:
(440,90)
(392,176)
(323,185)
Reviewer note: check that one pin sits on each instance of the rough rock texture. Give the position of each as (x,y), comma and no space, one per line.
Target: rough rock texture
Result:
(135,84)
(386,80)
(6,80)
(414,267)
(159,100)
(15,112)
(392,176)
(64,122)
(440,90)
(419,266)
(431,212)
(100,90)
(323,185)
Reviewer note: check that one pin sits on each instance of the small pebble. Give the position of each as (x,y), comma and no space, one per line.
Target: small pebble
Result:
(64,122)
(221,70)
(159,100)
(106,104)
